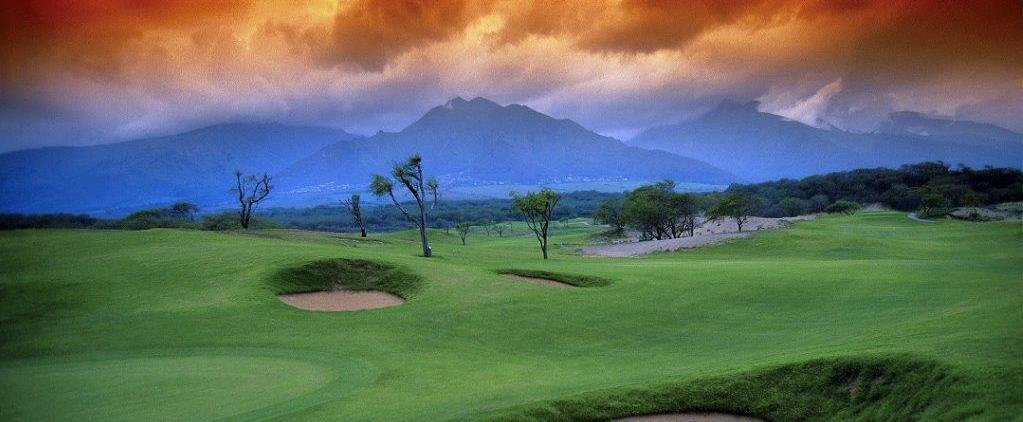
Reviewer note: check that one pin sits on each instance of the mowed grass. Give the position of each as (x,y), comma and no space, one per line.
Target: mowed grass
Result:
(867,316)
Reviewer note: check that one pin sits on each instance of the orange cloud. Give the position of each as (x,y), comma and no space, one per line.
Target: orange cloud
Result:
(616,65)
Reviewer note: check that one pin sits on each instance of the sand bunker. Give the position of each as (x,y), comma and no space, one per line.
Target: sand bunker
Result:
(537,280)
(341,300)
(691,417)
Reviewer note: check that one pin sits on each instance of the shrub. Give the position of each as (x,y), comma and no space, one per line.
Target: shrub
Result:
(791,207)
(230,221)
(153,219)
(843,207)
(45,221)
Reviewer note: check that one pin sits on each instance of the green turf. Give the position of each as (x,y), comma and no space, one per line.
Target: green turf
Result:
(926,318)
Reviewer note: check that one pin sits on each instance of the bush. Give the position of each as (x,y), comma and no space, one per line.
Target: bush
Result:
(229,221)
(153,219)
(843,207)
(45,221)
(791,207)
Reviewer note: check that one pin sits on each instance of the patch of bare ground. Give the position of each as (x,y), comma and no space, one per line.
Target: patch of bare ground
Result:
(707,233)
(691,417)
(341,300)
(538,281)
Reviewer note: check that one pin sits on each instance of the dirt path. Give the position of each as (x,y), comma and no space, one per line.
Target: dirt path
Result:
(539,281)
(341,300)
(691,417)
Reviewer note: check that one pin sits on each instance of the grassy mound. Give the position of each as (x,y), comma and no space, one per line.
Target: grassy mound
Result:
(350,274)
(860,388)
(573,279)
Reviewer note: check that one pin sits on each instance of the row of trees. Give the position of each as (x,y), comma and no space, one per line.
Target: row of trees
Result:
(931,187)
(657,211)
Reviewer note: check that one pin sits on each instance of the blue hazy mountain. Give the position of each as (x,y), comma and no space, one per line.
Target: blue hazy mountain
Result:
(760,146)
(194,166)
(480,142)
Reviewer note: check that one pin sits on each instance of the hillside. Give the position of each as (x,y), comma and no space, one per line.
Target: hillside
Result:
(195,166)
(760,146)
(480,142)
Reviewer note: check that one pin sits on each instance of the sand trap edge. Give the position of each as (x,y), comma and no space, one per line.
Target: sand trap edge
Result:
(539,281)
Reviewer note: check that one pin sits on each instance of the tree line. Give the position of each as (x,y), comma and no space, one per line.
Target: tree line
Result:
(657,211)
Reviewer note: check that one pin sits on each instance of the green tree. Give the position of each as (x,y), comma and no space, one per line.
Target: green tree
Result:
(737,206)
(410,175)
(658,212)
(463,230)
(610,212)
(537,208)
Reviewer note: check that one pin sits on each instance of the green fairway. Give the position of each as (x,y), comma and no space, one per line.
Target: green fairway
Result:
(843,317)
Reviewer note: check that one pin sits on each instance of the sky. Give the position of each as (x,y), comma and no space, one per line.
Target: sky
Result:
(87,72)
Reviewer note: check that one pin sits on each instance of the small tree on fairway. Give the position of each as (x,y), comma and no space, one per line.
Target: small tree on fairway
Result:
(410,175)
(356,210)
(736,206)
(537,208)
(250,191)
(463,230)
(500,228)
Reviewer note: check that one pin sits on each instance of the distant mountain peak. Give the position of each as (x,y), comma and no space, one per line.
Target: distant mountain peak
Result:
(478,103)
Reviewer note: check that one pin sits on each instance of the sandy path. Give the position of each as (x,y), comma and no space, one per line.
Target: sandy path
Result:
(539,281)
(691,417)
(706,233)
(341,300)
(622,250)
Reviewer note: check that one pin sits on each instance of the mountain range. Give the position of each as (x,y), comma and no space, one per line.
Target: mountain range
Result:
(758,146)
(475,143)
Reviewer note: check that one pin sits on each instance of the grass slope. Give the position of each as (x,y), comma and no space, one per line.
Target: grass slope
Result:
(927,317)
(351,274)
(577,280)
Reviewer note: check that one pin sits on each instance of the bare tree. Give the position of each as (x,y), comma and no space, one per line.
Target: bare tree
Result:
(353,206)
(538,208)
(250,190)
(463,230)
(410,175)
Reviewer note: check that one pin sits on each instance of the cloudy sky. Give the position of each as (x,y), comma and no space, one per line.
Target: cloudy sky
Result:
(84,72)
